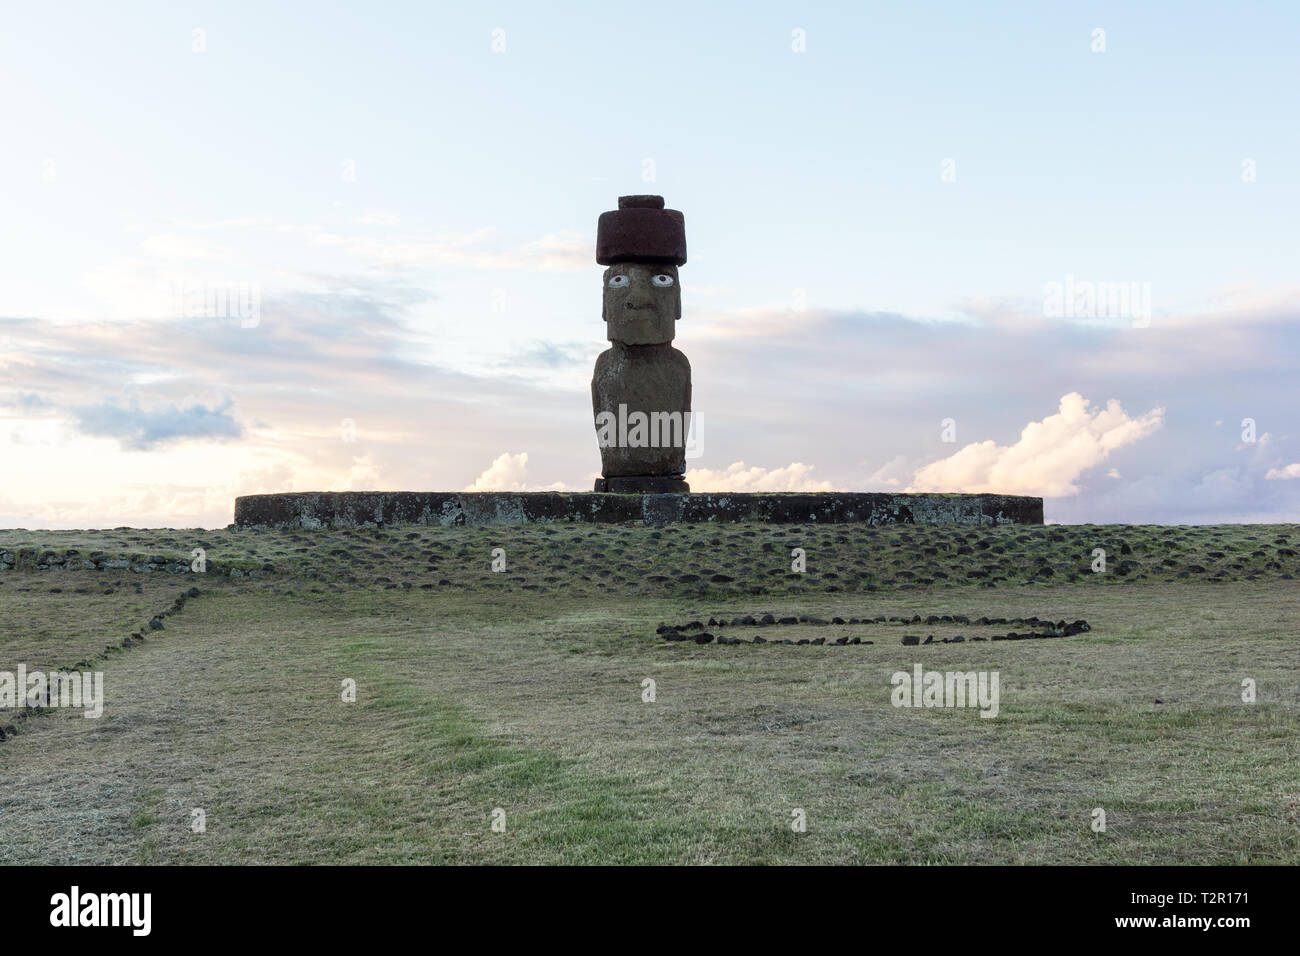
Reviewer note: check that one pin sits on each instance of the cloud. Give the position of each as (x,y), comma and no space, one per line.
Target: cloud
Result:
(756,324)
(558,252)
(893,474)
(174,246)
(509,473)
(1290,471)
(795,476)
(551,355)
(479,249)
(1049,457)
(141,429)
(506,473)
(831,387)
(27,401)
(363,475)
(379,217)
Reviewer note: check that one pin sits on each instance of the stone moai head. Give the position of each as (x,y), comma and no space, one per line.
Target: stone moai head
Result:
(642,301)
(643,244)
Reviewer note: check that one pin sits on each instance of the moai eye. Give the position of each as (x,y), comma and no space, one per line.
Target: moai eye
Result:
(618,282)
(662,280)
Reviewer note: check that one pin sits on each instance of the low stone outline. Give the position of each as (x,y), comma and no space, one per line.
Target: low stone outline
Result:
(1050,629)
(28,712)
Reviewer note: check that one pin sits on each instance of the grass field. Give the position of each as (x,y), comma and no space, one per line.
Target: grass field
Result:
(523,690)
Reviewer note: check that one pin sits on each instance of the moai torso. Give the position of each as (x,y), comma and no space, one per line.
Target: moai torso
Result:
(655,381)
(641,389)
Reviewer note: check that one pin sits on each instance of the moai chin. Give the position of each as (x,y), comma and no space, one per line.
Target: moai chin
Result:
(641,390)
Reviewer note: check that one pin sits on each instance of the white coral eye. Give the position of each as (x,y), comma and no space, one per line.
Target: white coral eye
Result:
(618,282)
(662,280)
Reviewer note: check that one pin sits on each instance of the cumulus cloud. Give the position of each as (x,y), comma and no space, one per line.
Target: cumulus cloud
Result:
(1049,457)
(363,475)
(795,476)
(509,473)
(1290,471)
(893,474)
(506,473)
(140,429)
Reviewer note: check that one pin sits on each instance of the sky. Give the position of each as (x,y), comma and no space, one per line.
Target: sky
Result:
(1041,249)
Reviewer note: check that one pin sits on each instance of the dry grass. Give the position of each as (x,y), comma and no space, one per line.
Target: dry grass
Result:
(484,693)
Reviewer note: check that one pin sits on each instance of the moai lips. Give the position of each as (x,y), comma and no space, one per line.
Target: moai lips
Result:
(641,389)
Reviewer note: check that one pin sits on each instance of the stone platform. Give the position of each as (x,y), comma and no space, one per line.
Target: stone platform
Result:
(353,509)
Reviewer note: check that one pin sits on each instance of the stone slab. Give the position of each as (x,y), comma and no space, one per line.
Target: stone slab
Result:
(643,485)
(352,509)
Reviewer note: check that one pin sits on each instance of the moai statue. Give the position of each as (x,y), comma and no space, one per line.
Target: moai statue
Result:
(641,390)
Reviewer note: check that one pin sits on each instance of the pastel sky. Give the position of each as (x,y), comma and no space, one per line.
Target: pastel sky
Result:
(896,214)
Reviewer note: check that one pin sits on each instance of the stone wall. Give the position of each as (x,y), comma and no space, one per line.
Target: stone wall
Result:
(351,509)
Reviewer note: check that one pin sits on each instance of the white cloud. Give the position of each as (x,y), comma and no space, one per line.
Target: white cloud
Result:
(1049,457)
(1290,471)
(892,474)
(795,476)
(558,252)
(379,217)
(506,473)
(480,249)
(509,473)
(757,324)
(363,475)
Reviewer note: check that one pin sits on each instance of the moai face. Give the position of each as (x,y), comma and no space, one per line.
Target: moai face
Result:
(642,302)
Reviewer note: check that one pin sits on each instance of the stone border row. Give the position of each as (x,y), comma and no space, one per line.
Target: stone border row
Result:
(695,630)
(27,712)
